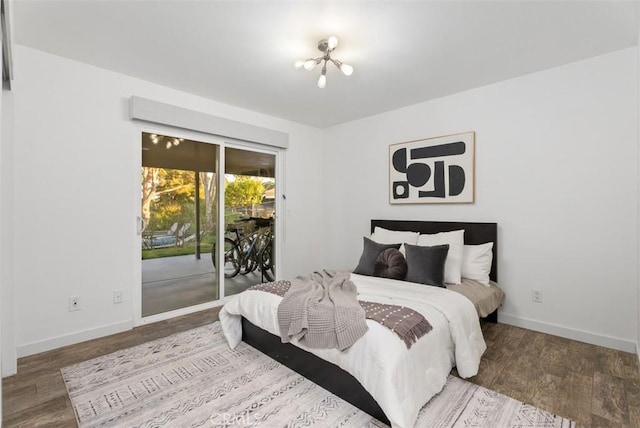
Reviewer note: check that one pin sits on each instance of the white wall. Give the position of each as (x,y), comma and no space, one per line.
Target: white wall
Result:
(75,182)
(638,123)
(8,355)
(556,168)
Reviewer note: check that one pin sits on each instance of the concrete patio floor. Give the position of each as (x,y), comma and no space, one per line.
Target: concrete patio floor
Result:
(170,283)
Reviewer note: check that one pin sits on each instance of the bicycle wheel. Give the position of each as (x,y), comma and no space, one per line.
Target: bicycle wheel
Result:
(248,264)
(231,258)
(267,265)
(266,260)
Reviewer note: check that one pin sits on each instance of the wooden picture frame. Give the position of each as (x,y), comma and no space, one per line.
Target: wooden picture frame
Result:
(439,170)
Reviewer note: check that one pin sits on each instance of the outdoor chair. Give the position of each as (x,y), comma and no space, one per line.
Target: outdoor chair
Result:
(169,239)
(182,232)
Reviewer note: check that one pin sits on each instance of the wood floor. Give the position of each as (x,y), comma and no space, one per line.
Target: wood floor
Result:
(594,386)
(37,397)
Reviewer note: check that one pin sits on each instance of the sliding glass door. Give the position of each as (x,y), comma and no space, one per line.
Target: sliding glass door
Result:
(190,229)
(180,213)
(249,218)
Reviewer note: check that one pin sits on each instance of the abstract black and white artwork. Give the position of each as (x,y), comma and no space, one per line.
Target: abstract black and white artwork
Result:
(434,170)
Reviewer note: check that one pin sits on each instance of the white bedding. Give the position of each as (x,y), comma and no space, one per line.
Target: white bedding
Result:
(401,380)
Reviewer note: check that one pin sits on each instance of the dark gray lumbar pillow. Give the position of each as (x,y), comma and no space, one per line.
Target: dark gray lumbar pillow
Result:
(369,255)
(425,265)
(390,264)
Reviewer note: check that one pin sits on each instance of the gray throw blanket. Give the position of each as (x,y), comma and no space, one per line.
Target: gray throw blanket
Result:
(321,310)
(406,323)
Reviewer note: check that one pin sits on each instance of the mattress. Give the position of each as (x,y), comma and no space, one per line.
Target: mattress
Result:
(401,380)
(485,298)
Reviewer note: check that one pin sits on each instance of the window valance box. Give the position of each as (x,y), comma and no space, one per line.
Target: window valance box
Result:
(167,114)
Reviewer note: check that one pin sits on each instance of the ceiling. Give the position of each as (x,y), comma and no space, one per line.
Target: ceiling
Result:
(178,153)
(242,52)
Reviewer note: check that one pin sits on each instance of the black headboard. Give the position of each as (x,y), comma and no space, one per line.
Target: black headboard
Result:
(474,233)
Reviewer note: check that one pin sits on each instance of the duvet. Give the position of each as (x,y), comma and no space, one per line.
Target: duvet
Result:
(401,380)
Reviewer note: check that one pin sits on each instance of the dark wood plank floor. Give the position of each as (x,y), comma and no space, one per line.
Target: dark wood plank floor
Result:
(37,397)
(595,386)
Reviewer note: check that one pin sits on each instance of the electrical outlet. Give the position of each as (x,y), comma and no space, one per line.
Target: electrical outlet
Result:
(536,295)
(74,303)
(117,296)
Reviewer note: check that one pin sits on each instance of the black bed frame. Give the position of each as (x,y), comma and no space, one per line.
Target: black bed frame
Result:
(332,377)
(474,234)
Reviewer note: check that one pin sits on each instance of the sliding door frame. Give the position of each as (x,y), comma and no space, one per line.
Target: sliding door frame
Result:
(222,143)
(279,199)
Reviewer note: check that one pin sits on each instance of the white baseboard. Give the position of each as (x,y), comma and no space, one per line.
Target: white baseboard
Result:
(570,333)
(73,338)
(9,364)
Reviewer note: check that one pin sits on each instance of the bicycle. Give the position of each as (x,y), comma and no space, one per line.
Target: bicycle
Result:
(267,265)
(231,258)
(245,254)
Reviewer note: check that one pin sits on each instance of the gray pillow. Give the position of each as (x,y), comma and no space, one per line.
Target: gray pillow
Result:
(390,264)
(425,265)
(369,255)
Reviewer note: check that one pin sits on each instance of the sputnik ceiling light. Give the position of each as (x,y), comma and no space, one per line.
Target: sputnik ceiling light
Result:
(326,46)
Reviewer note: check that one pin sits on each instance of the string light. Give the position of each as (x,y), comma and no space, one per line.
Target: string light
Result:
(169,142)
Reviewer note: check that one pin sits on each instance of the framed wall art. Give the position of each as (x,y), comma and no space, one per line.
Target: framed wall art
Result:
(434,170)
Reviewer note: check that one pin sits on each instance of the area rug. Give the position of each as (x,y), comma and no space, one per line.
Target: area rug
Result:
(193,379)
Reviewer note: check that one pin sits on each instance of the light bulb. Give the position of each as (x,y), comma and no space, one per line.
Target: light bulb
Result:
(332,42)
(346,69)
(299,63)
(322,81)
(309,64)
(168,144)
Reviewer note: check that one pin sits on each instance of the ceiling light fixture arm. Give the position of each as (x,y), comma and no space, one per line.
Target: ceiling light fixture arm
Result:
(326,46)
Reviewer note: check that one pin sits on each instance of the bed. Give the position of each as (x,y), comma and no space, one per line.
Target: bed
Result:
(455,339)
(483,298)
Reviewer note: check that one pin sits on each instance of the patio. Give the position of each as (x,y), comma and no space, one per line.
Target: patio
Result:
(170,283)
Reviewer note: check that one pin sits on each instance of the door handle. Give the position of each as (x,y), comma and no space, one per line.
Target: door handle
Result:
(141,225)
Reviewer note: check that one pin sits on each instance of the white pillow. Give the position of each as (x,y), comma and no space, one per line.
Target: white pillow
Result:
(385,236)
(476,262)
(453,265)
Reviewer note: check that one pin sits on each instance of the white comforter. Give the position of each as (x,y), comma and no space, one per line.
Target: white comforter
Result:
(401,380)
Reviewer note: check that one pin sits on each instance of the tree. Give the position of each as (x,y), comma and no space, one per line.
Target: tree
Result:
(243,191)
(168,196)
(150,182)
(210,193)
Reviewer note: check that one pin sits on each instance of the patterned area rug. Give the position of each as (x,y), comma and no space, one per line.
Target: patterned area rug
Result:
(193,379)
